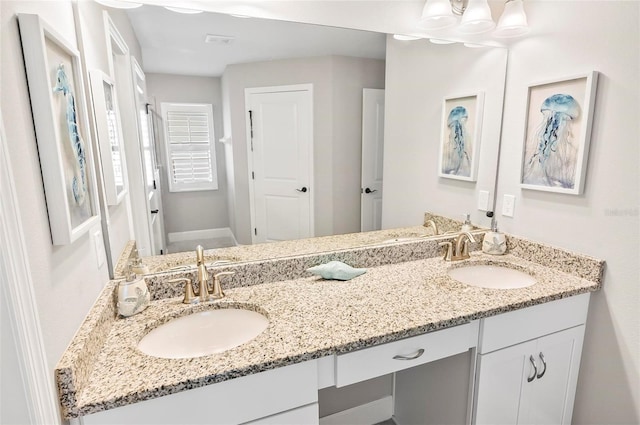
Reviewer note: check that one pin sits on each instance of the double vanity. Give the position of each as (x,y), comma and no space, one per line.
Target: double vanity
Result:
(519,317)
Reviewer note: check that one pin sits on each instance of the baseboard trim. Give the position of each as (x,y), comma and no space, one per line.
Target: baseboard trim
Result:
(370,413)
(222,232)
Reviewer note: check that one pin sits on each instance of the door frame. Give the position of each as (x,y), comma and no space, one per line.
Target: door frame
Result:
(248,92)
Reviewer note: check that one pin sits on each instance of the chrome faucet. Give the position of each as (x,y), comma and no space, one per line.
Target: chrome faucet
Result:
(462,246)
(433,225)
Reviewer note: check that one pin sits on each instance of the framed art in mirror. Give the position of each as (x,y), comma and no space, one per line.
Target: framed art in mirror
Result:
(109,130)
(461,135)
(56,91)
(557,134)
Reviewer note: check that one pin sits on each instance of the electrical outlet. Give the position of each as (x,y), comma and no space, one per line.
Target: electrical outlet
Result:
(483,200)
(508,205)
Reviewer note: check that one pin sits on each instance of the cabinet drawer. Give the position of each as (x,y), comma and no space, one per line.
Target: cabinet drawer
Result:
(230,402)
(391,357)
(306,415)
(529,323)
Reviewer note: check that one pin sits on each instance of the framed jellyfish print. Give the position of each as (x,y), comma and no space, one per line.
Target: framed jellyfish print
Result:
(56,91)
(557,134)
(460,137)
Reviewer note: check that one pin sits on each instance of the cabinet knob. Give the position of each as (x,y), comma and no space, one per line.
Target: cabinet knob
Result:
(541,374)
(535,369)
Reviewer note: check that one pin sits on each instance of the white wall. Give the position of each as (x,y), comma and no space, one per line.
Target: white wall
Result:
(572,38)
(67,279)
(420,75)
(336,83)
(94,49)
(201,210)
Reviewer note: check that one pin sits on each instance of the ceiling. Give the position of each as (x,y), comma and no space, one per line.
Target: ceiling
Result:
(174,43)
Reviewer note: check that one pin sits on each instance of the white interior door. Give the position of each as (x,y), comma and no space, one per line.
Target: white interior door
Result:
(280,134)
(372,151)
(149,161)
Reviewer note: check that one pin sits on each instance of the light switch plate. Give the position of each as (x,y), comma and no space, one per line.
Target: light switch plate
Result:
(483,200)
(99,246)
(508,205)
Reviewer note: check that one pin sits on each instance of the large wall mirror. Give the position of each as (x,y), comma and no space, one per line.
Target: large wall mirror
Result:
(231,62)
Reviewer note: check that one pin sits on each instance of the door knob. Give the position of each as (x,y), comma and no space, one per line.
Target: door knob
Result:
(155,211)
(303,190)
(367,190)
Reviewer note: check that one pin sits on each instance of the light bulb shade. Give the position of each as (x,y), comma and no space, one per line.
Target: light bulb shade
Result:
(119,4)
(183,10)
(476,18)
(437,14)
(513,21)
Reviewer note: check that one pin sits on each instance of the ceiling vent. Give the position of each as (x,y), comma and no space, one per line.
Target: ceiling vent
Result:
(219,39)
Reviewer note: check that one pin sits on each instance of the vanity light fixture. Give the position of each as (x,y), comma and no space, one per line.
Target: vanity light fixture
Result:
(475,17)
(513,22)
(183,10)
(119,4)
(403,37)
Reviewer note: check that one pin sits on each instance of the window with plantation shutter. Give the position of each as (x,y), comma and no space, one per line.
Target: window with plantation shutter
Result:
(191,155)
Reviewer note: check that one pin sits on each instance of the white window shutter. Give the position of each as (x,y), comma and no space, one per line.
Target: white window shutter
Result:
(189,141)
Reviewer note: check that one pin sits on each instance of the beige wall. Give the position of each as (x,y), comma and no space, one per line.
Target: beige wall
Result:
(200,210)
(337,82)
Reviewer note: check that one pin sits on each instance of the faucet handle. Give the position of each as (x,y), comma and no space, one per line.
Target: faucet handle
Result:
(448,251)
(189,296)
(217,292)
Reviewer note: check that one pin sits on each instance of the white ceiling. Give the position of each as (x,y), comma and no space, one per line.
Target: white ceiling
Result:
(173,43)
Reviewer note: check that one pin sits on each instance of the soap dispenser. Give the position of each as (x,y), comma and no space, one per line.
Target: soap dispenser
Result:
(467,226)
(133,294)
(137,266)
(494,242)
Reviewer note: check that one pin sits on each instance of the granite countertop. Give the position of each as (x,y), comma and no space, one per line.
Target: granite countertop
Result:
(243,253)
(310,318)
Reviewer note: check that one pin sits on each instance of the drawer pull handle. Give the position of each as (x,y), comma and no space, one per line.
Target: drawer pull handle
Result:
(413,357)
(544,363)
(535,369)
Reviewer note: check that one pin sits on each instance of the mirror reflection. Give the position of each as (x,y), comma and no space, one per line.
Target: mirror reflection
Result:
(294,143)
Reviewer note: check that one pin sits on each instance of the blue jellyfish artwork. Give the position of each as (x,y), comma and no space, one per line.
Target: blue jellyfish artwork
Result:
(78,182)
(552,155)
(455,159)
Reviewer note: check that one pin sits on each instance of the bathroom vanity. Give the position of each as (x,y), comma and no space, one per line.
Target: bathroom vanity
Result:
(524,344)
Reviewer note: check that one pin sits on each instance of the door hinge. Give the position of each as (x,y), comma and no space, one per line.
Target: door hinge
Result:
(146,107)
(154,185)
(253,175)
(255,231)
(251,128)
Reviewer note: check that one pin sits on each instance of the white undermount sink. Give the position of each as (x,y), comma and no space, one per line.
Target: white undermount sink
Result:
(491,276)
(203,333)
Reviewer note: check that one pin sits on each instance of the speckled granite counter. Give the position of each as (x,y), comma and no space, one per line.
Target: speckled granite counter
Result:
(309,318)
(244,253)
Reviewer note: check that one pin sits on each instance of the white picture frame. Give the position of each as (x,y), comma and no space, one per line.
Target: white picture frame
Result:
(110,139)
(56,91)
(461,133)
(557,134)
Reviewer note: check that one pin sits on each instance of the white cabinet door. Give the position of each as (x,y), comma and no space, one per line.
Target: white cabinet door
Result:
(532,382)
(551,395)
(501,376)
